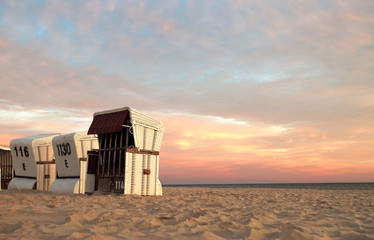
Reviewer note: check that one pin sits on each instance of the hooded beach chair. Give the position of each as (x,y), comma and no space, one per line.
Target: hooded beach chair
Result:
(127,160)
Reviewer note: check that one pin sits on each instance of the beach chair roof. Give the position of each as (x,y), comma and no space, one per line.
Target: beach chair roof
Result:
(35,139)
(112,121)
(5,148)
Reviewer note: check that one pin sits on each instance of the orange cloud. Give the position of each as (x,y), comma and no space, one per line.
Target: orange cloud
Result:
(212,149)
(208,149)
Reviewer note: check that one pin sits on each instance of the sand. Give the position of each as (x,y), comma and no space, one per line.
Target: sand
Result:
(190,213)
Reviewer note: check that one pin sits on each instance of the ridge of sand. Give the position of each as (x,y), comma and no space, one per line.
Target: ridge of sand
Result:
(190,213)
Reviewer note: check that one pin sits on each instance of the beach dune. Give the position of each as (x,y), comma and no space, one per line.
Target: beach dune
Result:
(190,213)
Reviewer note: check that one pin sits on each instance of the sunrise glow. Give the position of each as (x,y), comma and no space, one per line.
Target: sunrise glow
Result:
(249,92)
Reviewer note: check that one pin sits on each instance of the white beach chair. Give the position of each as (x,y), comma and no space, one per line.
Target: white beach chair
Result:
(33,162)
(127,160)
(70,152)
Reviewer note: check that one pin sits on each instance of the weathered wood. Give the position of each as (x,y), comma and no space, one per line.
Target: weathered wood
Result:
(120,153)
(114,154)
(6,167)
(109,155)
(100,157)
(46,162)
(104,153)
(110,149)
(141,151)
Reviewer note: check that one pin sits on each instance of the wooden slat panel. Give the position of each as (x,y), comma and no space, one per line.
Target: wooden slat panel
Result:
(140,151)
(109,160)
(104,156)
(120,155)
(115,155)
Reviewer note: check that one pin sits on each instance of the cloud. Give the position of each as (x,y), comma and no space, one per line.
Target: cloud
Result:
(32,78)
(260,82)
(205,148)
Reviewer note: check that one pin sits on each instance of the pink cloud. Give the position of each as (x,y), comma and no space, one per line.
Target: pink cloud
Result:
(248,91)
(205,149)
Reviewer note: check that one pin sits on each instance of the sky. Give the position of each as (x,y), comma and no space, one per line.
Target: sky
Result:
(249,91)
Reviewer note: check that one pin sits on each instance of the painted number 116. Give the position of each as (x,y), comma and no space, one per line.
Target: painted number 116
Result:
(22,151)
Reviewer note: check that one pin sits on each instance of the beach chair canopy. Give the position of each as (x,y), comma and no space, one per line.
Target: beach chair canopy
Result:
(147,131)
(108,122)
(4,148)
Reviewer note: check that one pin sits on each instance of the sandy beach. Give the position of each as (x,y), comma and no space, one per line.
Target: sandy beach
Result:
(190,213)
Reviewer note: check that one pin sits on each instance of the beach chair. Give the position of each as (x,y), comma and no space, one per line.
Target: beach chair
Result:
(127,160)
(6,167)
(70,152)
(34,167)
